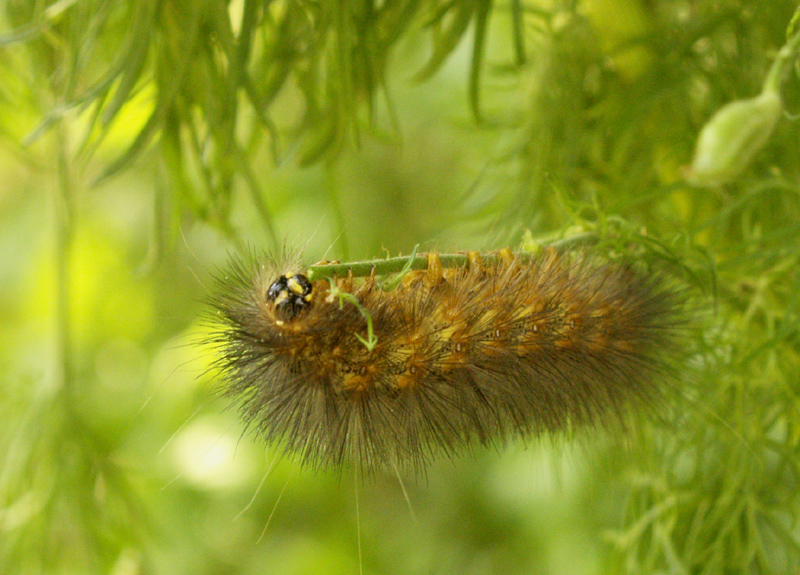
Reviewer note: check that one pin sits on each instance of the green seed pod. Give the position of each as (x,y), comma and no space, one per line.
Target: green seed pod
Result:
(728,142)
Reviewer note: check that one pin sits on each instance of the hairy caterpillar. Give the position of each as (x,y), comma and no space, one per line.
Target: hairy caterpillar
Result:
(464,348)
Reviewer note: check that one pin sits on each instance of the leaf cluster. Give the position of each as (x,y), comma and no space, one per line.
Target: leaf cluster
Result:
(217,83)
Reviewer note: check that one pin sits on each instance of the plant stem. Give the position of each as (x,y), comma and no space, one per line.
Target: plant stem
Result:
(785,57)
(420,261)
(64,215)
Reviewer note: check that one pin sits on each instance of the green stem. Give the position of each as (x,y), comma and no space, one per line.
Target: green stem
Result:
(332,187)
(256,193)
(64,216)
(518,34)
(786,56)
(420,261)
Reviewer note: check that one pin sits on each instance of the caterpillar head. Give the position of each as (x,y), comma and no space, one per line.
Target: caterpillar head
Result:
(290,294)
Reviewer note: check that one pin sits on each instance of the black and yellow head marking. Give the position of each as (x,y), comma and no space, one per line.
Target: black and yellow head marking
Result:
(290,294)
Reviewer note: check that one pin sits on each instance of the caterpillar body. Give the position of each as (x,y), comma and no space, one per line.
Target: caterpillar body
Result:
(341,371)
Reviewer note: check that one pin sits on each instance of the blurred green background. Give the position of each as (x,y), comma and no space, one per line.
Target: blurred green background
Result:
(145,141)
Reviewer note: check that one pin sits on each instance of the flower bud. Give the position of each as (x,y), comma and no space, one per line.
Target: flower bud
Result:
(732,137)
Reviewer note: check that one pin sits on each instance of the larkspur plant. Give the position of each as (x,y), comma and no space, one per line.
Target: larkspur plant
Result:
(154,136)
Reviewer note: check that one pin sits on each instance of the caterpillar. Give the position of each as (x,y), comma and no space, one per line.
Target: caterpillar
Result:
(460,349)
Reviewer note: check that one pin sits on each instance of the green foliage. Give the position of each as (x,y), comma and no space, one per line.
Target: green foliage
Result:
(225,81)
(143,139)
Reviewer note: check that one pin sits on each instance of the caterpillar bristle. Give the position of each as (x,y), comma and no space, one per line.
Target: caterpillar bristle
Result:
(478,352)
